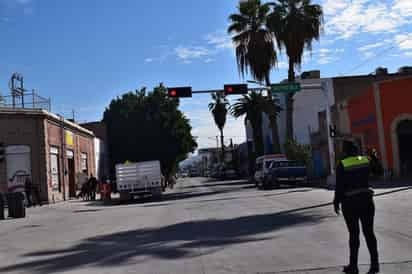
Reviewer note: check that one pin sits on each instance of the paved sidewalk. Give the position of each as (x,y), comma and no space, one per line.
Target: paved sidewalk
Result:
(386,268)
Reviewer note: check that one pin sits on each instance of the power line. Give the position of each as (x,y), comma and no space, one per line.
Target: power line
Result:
(367,60)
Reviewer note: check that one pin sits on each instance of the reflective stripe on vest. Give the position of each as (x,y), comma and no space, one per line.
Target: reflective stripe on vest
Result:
(355,162)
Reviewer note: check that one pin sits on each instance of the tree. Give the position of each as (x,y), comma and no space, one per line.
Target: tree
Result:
(219,111)
(295,24)
(272,109)
(251,106)
(255,47)
(145,126)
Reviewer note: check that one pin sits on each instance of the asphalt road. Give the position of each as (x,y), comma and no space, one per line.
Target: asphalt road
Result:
(204,227)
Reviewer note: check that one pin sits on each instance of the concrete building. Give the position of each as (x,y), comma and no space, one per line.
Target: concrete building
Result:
(308,103)
(350,99)
(368,109)
(381,119)
(208,158)
(56,153)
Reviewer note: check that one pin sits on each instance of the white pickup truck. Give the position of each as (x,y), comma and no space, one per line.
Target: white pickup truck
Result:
(139,179)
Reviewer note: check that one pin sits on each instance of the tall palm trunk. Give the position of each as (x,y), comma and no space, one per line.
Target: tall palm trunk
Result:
(222,143)
(273,122)
(289,103)
(258,138)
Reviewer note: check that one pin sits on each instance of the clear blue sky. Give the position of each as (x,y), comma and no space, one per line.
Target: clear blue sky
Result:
(83,53)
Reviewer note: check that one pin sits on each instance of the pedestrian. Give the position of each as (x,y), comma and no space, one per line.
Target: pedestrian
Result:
(356,197)
(36,194)
(92,187)
(28,187)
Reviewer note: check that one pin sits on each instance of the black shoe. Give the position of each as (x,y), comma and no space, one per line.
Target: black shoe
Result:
(374,269)
(349,269)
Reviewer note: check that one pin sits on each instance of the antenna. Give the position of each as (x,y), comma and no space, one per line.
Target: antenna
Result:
(16,86)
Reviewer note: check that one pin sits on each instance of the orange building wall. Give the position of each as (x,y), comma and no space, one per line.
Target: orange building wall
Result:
(396,99)
(363,119)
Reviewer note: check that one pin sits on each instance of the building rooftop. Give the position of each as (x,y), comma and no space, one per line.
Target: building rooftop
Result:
(46,114)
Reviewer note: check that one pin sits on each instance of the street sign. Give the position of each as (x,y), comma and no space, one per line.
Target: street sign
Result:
(285,88)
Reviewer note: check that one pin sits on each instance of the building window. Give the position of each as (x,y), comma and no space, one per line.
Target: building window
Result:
(55,169)
(83,162)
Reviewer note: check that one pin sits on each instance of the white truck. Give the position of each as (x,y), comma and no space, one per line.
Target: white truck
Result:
(139,179)
(263,164)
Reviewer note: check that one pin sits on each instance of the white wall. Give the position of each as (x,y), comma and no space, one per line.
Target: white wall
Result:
(101,158)
(307,104)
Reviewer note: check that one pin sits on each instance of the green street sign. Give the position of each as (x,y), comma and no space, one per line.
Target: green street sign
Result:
(285,88)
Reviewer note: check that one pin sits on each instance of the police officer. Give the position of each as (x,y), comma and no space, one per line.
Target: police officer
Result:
(355,195)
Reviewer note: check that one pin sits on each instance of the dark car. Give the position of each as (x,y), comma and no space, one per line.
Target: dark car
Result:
(289,172)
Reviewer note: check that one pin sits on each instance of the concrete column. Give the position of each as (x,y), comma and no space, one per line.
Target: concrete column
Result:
(381,131)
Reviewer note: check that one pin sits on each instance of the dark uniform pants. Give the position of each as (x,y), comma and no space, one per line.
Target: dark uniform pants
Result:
(360,208)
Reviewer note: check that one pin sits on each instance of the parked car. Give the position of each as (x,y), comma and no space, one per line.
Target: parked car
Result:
(263,165)
(215,173)
(229,174)
(206,173)
(290,172)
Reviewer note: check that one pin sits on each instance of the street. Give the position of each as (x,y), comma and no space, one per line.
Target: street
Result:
(204,227)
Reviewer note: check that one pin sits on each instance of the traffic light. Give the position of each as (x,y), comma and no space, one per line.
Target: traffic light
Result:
(179,92)
(236,89)
(2,152)
(332,131)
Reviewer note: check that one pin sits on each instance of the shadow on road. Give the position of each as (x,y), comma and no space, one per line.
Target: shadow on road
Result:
(253,196)
(391,184)
(86,210)
(217,183)
(393,191)
(181,240)
(167,197)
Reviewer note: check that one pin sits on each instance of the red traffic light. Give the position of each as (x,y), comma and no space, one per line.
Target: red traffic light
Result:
(180,92)
(236,89)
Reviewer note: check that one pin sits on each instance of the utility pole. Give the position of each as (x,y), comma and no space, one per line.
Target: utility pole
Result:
(63,158)
(331,180)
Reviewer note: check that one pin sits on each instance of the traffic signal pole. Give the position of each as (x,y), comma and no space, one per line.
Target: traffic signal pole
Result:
(221,90)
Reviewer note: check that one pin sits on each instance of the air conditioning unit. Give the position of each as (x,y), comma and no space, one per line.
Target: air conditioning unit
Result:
(381,71)
(312,74)
(405,70)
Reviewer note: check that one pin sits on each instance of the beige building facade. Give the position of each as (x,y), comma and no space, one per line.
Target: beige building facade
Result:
(55,153)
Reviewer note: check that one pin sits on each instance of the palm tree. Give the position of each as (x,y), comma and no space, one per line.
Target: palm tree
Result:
(251,106)
(272,109)
(219,111)
(255,46)
(295,24)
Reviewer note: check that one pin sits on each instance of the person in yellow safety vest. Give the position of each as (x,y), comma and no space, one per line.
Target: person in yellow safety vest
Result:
(356,197)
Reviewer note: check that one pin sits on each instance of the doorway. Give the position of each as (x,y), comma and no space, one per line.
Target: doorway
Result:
(70,173)
(404,132)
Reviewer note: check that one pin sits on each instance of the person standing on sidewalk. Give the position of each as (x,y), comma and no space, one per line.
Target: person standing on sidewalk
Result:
(356,197)
(28,187)
(92,187)
(36,194)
